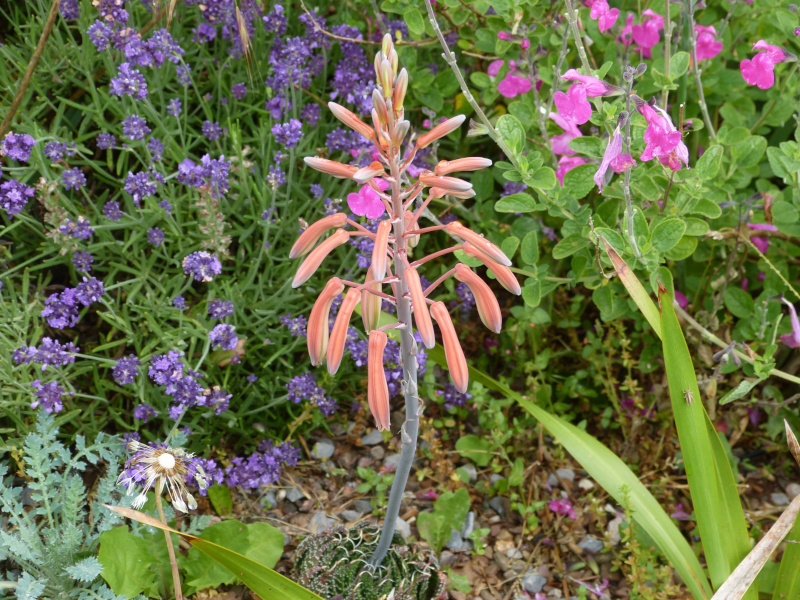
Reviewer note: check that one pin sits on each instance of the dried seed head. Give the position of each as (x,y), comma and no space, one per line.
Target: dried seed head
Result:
(318,321)
(441,130)
(454,355)
(422,317)
(377,390)
(479,242)
(488,307)
(330,167)
(339,331)
(315,231)
(318,254)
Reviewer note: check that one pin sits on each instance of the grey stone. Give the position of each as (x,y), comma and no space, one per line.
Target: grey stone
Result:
(320,522)
(612,529)
(471,471)
(590,544)
(270,500)
(373,438)
(565,474)
(350,515)
(497,504)
(469,525)
(323,449)
(377,452)
(495,478)
(447,558)
(792,490)
(293,494)
(391,460)
(351,425)
(779,499)
(456,542)
(532,582)
(403,528)
(363,506)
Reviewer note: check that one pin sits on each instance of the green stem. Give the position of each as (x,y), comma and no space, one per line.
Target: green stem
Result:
(698,81)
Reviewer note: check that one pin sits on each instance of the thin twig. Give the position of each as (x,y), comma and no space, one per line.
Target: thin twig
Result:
(626,180)
(701,96)
(173,563)
(572,17)
(667,52)
(26,79)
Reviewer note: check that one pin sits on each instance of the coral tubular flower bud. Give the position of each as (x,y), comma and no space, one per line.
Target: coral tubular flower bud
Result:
(400,132)
(318,320)
(488,308)
(377,65)
(479,242)
(441,130)
(422,317)
(318,254)
(400,89)
(395,60)
(377,390)
(339,331)
(315,231)
(437,192)
(503,274)
(379,250)
(370,303)
(454,355)
(330,167)
(449,184)
(351,120)
(472,163)
(386,44)
(379,105)
(386,78)
(375,169)
(411,224)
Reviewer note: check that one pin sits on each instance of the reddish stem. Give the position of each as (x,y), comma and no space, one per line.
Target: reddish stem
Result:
(436,283)
(424,230)
(425,259)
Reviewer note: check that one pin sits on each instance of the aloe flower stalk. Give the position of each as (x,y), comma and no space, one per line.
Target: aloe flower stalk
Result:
(391,264)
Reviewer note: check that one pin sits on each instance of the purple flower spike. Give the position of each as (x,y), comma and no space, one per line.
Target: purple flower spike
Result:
(202,266)
(223,336)
(17,146)
(129,82)
(14,196)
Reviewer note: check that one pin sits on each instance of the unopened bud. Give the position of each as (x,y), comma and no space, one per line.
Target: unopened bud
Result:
(400,131)
(386,78)
(640,70)
(387,46)
(380,105)
(364,174)
(476,129)
(441,130)
(471,163)
(377,65)
(351,120)
(400,88)
(394,60)
(449,184)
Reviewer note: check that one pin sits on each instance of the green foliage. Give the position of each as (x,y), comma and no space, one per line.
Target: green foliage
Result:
(449,513)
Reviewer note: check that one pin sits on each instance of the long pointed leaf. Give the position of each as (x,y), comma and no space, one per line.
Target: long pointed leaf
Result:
(262,580)
(616,478)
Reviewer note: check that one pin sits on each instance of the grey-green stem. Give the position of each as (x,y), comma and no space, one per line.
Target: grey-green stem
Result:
(626,180)
(698,81)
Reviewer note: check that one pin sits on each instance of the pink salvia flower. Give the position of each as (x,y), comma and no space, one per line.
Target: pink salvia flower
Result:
(367,203)
(760,71)
(681,299)
(566,164)
(707,44)
(513,85)
(646,35)
(496,65)
(592,85)
(613,157)
(504,35)
(663,140)
(561,141)
(792,339)
(574,105)
(605,16)
(761,242)
(563,507)
(626,35)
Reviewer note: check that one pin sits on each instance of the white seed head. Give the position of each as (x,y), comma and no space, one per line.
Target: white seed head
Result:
(166,461)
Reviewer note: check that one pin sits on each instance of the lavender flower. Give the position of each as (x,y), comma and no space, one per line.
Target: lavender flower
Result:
(111,11)
(203,33)
(144,412)
(80,228)
(156,147)
(166,369)
(106,141)
(288,134)
(453,398)
(111,211)
(83,260)
(70,10)
(50,353)
(161,46)
(129,82)
(14,196)
(73,178)
(223,336)
(54,150)
(61,310)
(184,73)
(166,206)
(252,378)
(276,177)
(212,131)
(275,21)
(155,236)
(219,309)
(24,354)
(317,191)
(89,290)
(202,266)
(140,186)
(17,146)
(304,387)
(134,127)
(218,399)
(100,34)
(465,300)
(125,371)
(174,107)
(239,90)
(48,396)
(296,326)
(311,114)
(179,302)
(185,392)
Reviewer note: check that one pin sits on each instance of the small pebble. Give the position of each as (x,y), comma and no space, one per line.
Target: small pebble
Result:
(533,583)
(320,522)
(469,525)
(377,452)
(497,504)
(362,506)
(323,449)
(293,494)
(471,471)
(447,558)
(391,460)
(350,515)
(456,542)
(373,438)
(779,499)
(590,544)
(792,490)
(565,474)
(403,528)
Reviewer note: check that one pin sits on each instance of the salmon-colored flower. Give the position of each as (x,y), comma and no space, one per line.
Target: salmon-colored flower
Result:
(422,317)
(330,167)
(453,354)
(441,130)
(370,303)
(377,390)
(375,169)
(351,120)
(400,88)
(488,308)
(471,163)
(449,184)
(481,243)
(437,192)
(339,331)
(502,273)
(379,250)
(318,254)
(411,224)
(315,231)
(318,320)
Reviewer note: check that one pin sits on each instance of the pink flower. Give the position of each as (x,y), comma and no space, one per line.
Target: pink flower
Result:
(366,201)
(512,85)
(566,164)
(563,507)
(605,16)
(681,299)
(646,35)
(707,45)
(613,157)
(760,71)
(626,35)
(663,140)
(792,339)
(680,514)
(496,65)
(504,35)
(561,142)
(762,243)
(574,105)
(592,85)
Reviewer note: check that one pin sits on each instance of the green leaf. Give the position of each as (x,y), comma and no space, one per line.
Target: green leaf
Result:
(523,112)
(532,292)
(678,64)
(220,497)
(707,208)
(749,151)
(683,249)
(741,390)
(530,248)
(481,80)
(449,512)
(708,165)
(509,245)
(516,203)
(475,449)
(739,302)
(544,178)
(126,561)
(614,476)
(416,25)
(588,146)
(512,132)
(788,584)
(569,246)
(667,233)
(719,514)
(580,180)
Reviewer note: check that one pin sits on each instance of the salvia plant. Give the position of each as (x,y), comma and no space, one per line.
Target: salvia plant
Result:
(52,523)
(392,264)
